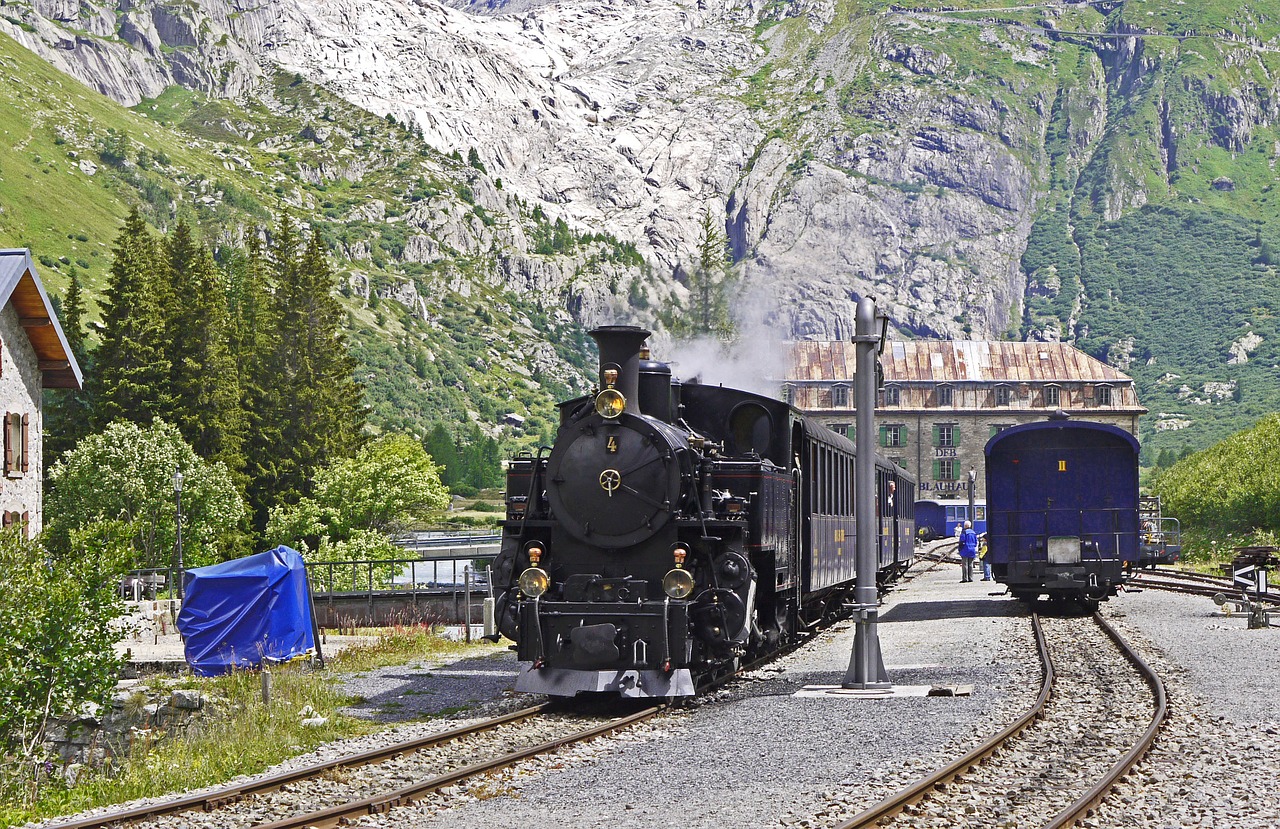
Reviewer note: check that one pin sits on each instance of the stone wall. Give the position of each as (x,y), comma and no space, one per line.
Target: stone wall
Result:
(20,390)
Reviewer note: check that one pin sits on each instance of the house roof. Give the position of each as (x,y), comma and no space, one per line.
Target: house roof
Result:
(20,286)
(955,361)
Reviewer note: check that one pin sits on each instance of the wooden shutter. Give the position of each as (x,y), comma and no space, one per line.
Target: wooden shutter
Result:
(8,443)
(937,435)
(884,435)
(26,444)
(26,524)
(7,519)
(955,435)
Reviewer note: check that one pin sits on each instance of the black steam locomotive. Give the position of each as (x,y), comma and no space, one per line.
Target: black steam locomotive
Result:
(676,528)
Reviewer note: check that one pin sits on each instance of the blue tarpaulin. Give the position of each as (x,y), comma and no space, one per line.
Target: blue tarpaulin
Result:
(239,613)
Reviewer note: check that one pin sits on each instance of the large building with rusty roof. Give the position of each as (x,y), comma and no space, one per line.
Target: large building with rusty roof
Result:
(943,399)
(34,355)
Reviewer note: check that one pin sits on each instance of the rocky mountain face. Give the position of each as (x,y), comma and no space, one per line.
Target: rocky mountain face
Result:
(962,166)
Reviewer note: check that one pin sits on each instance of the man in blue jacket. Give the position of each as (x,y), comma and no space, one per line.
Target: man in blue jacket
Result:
(968,551)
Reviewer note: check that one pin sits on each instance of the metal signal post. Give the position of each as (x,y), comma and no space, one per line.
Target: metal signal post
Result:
(866,665)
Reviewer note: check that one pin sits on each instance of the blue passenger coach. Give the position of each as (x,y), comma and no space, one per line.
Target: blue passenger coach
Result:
(939,519)
(1062,509)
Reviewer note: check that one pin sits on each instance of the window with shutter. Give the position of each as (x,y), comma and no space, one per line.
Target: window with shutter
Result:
(8,442)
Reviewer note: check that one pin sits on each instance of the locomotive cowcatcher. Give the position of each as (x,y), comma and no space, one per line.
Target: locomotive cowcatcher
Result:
(674,529)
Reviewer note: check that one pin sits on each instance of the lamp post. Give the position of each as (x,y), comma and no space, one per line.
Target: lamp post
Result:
(973,477)
(866,666)
(177,502)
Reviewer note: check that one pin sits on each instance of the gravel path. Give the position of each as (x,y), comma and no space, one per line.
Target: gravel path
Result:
(766,757)
(1217,760)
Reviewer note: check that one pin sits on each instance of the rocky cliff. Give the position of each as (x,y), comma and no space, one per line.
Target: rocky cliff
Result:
(964,163)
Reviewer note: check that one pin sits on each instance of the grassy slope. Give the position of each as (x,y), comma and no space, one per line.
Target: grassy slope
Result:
(1183,277)
(207,160)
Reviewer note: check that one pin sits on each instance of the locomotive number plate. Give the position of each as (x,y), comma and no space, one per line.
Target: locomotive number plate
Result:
(611,444)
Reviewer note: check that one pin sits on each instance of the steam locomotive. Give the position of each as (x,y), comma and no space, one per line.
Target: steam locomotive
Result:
(1062,509)
(677,528)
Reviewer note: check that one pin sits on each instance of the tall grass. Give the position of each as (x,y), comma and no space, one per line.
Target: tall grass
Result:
(238,733)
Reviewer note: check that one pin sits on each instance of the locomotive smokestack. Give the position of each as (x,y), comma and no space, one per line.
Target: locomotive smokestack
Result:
(620,351)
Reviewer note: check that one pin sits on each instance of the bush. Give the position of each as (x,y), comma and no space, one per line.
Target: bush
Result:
(56,654)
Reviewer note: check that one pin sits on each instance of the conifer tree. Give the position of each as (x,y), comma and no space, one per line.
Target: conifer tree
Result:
(66,418)
(204,377)
(131,373)
(253,327)
(308,406)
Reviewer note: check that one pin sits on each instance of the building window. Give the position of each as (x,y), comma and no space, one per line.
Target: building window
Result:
(1052,396)
(944,469)
(946,396)
(892,395)
(1004,395)
(840,428)
(788,394)
(1102,395)
(839,396)
(946,435)
(893,435)
(998,428)
(901,463)
(15,443)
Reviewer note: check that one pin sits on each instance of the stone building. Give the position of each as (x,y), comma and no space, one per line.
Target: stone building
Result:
(943,399)
(34,356)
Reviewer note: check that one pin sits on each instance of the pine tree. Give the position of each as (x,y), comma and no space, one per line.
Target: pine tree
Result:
(440,446)
(253,327)
(310,410)
(204,377)
(131,373)
(708,287)
(66,414)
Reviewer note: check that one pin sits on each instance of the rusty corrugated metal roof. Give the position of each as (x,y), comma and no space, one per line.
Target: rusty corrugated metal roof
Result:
(956,361)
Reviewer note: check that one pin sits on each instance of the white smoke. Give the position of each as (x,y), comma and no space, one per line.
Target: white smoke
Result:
(757,360)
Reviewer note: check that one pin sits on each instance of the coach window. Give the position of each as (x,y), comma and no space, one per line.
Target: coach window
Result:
(946,396)
(1102,395)
(839,396)
(1004,395)
(946,435)
(892,395)
(1052,396)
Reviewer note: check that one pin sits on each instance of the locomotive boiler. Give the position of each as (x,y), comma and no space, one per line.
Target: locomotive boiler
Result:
(675,529)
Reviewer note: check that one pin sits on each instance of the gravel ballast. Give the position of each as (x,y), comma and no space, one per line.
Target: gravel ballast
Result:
(756,754)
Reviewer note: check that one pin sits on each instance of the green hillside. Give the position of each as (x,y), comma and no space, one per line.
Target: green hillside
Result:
(74,163)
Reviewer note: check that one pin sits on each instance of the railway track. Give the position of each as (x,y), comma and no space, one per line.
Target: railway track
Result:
(1048,768)
(1181,581)
(355,785)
